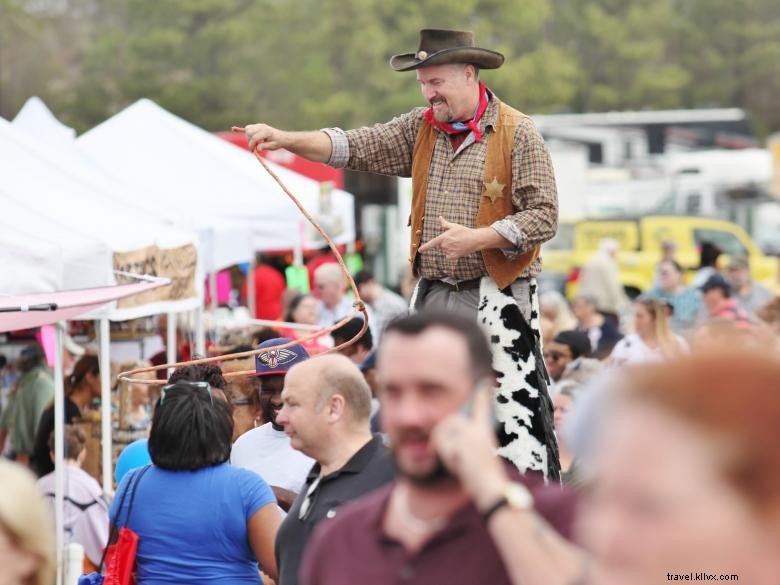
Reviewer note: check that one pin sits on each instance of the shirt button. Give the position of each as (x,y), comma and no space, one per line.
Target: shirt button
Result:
(331,513)
(446,192)
(407,572)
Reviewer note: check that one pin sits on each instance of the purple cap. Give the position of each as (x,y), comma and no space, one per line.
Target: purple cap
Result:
(278,361)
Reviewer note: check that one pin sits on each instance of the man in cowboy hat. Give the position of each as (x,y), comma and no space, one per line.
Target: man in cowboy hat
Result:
(484,200)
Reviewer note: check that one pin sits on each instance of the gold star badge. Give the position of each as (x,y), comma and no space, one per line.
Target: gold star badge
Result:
(494,190)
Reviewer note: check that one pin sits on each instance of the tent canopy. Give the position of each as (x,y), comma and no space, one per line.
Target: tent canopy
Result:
(28,311)
(151,148)
(38,179)
(222,242)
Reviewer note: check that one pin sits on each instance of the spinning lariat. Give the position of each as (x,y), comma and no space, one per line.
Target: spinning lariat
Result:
(358,305)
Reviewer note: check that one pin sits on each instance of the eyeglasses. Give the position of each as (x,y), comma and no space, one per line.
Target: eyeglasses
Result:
(554,356)
(185,384)
(308,500)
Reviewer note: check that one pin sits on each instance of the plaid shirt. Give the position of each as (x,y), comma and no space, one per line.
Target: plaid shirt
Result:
(455,184)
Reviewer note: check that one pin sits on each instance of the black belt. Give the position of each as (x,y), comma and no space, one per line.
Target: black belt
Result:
(460,286)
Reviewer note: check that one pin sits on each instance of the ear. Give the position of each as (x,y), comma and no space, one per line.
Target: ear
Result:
(336,407)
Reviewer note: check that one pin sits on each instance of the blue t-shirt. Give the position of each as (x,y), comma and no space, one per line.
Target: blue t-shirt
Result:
(192,525)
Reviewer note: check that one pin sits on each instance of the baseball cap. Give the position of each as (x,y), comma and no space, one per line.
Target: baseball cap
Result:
(738,262)
(278,361)
(716,281)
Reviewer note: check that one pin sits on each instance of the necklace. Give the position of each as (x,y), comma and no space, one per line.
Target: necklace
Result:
(415,524)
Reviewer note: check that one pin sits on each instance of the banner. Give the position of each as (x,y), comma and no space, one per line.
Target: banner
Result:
(178,264)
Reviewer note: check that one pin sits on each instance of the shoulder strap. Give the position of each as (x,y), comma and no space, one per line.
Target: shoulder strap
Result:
(132,484)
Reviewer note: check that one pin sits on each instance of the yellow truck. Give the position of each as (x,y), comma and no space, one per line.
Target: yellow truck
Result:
(640,249)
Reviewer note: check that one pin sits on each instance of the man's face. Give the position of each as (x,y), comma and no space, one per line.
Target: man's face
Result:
(449,89)
(556,356)
(738,277)
(330,292)
(581,308)
(668,277)
(423,379)
(270,393)
(304,423)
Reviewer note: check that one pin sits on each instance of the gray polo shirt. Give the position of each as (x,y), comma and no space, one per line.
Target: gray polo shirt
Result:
(371,467)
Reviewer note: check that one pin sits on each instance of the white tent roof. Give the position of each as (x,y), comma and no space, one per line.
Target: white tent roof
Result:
(44,255)
(149,147)
(223,242)
(35,177)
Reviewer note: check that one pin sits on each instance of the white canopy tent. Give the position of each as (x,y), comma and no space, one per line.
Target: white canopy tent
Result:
(39,191)
(36,178)
(40,254)
(223,243)
(151,148)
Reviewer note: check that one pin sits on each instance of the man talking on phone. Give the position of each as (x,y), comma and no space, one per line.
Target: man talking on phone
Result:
(430,526)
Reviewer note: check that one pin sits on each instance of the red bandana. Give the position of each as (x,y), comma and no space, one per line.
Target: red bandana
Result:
(458,127)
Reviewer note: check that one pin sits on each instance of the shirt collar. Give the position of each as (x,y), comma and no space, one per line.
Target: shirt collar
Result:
(356,463)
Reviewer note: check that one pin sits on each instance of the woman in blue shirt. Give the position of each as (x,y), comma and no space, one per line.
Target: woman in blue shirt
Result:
(199,520)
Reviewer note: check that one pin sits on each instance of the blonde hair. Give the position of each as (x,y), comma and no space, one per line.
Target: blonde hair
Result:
(667,341)
(23,515)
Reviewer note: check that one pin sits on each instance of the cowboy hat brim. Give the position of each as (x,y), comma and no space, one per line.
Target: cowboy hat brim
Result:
(484,58)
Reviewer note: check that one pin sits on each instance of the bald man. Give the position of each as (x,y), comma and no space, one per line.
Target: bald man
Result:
(326,411)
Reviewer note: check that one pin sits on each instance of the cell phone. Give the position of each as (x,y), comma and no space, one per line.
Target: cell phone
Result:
(482,385)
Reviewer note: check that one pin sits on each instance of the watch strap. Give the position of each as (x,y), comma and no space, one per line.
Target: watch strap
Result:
(495,507)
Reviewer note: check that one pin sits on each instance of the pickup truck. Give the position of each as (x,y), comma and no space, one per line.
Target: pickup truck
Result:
(640,249)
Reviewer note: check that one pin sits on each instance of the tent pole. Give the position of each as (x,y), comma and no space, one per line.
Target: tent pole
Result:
(171,340)
(213,290)
(105,403)
(250,289)
(59,449)
(200,332)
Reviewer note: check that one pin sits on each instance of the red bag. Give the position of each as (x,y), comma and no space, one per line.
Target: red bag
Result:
(120,559)
(119,555)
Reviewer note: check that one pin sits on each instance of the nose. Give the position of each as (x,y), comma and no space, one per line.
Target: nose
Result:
(281,416)
(428,92)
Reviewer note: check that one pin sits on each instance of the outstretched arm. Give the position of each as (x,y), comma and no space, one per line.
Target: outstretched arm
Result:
(314,145)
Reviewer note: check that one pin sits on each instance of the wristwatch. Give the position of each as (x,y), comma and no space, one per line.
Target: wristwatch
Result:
(515,495)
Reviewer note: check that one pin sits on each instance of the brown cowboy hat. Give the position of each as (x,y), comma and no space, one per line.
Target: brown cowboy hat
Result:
(446,46)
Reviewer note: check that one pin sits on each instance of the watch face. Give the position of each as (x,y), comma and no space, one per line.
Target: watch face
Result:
(519,497)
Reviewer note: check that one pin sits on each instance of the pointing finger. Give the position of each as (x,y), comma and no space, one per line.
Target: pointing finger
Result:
(434,243)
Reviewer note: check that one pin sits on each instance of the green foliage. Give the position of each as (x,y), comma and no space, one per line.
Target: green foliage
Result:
(306,63)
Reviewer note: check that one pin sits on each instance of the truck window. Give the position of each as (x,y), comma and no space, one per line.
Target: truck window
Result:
(726,241)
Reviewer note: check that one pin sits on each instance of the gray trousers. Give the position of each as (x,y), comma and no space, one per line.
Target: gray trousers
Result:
(434,294)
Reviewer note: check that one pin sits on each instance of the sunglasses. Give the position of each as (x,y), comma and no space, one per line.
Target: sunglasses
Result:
(554,356)
(308,500)
(186,385)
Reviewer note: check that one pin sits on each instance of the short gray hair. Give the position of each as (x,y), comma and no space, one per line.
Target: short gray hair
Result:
(349,384)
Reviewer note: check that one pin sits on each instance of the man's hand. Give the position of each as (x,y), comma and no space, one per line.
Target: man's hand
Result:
(467,447)
(314,145)
(458,240)
(264,137)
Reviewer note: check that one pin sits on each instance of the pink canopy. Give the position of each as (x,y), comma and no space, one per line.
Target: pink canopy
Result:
(34,310)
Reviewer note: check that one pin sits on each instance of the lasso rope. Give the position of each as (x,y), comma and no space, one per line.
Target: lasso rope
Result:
(359,305)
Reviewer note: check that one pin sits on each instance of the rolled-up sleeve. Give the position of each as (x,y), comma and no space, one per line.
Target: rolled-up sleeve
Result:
(534,194)
(385,148)
(339,153)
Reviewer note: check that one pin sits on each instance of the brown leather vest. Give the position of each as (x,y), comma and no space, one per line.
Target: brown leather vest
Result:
(496,200)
